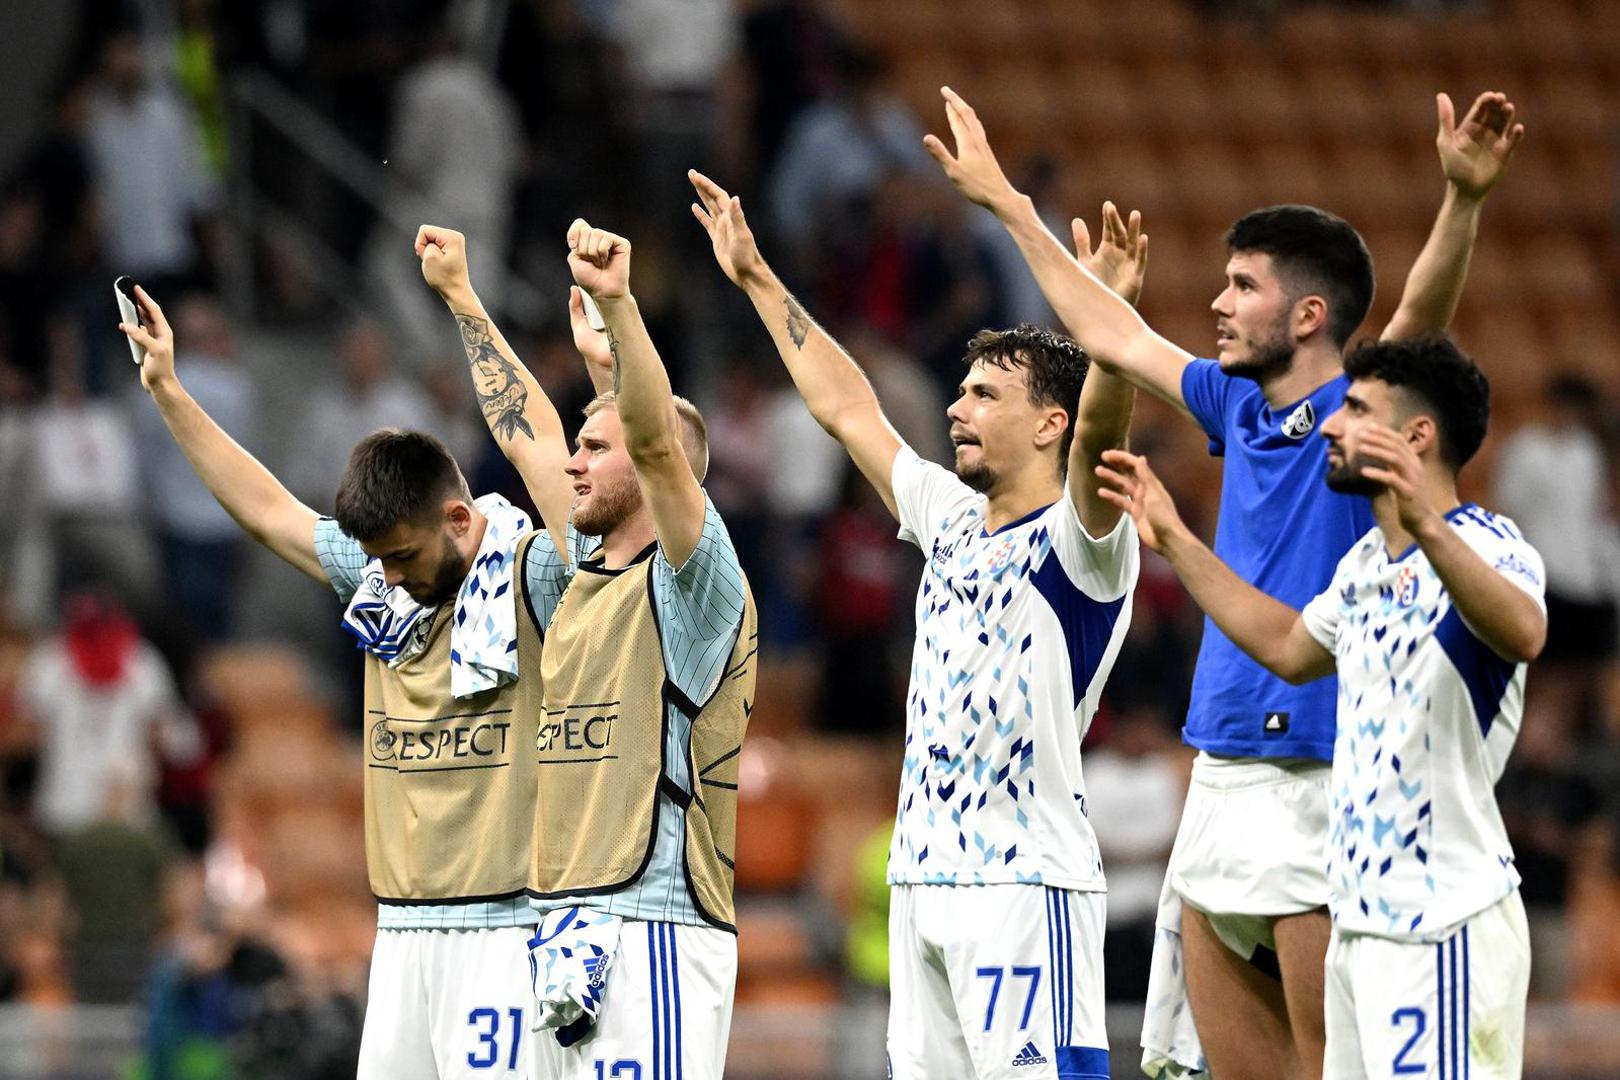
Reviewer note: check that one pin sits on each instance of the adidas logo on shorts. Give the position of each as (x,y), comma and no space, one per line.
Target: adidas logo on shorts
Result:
(1028,1056)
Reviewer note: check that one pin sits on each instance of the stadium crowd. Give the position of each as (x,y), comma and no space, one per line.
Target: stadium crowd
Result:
(137,637)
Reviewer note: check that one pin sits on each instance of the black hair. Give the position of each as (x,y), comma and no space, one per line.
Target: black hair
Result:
(1055,368)
(396,476)
(1313,251)
(1444,382)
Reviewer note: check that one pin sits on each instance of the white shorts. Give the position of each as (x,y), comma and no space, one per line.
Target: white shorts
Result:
(448,1005)
(996,981)
(1252,845)
(1422,1009)
(665,1013)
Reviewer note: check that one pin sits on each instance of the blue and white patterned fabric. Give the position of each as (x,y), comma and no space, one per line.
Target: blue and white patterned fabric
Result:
(1427,717)
(483,638)
(1016,633)
(569,957)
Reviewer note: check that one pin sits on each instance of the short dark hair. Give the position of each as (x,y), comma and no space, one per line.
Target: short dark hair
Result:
(1445,383)
(1313,252)
(1054,367)
(396,476)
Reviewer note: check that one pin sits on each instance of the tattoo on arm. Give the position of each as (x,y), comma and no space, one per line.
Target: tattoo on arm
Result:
(501,393)
(798,323)
(613,347)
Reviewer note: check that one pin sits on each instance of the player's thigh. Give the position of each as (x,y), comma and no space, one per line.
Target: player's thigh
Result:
(925,1036)
(1302,944)
(1025,966)
(396,1042)
(666,1010)
(482,1003)
(1238,1008)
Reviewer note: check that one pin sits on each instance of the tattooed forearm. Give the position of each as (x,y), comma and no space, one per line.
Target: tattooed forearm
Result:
(496,380)
(613,347)
(798,323)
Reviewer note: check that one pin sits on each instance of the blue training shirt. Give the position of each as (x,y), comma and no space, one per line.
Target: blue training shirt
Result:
(1281,530)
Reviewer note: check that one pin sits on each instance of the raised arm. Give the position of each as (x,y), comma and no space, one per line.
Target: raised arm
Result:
(1500,614)
(519,414)
(600,262)
(1473,156)
(1105,324)
(1267,629)
(833,386)
(1103,421)
(266,511)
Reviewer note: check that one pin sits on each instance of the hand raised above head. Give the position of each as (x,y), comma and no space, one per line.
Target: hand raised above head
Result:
(444,259)
(1120,259)
(599,260)
(973,169)
(721,216)
(155,336)
(1475,153)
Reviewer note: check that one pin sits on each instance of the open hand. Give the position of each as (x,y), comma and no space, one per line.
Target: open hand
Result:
(444,260)
(973,169)
(1475,153)
(155,336)
(1120,260)
(599,261)
(1129,484)
(721,216)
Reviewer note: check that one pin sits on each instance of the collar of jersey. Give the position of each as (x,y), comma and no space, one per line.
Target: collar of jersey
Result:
(1450,515)
(1025,520)
(594,563)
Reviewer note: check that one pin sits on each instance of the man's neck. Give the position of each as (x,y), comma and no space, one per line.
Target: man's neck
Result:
(1017,500)
(1312,367)
(621,546)
(1441,493)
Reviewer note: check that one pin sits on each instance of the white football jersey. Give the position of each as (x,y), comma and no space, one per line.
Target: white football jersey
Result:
(1016,633)
(1427,716)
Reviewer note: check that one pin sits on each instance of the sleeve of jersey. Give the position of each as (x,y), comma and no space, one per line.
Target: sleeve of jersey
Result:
(341,558)
(1322,614)
(926,495)
(1204,387)
(1500,543)
(1104,568)
(545,575)
(700,607)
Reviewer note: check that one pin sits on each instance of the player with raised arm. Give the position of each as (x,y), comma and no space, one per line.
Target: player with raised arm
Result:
(1248,857)
(996,920)
(1430,621)
(649,671)
(452,699)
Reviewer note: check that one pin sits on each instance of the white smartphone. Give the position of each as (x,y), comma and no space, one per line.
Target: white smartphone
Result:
(129,313)
(593,314)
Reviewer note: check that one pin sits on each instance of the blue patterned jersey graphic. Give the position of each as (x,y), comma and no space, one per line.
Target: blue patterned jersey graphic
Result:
(1427,717)
(1016,632)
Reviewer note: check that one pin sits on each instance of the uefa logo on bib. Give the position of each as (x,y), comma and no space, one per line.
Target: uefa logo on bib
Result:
(1406,587)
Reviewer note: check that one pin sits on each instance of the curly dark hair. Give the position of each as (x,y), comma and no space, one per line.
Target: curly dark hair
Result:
(1054,368)
(1437,379)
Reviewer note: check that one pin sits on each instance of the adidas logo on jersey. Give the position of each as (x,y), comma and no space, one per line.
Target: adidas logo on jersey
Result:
(1301,422)
(1276,723)
(1028,1056)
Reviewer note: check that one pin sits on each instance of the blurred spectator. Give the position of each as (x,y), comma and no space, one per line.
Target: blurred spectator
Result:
(201,544)
(806,467)
(838,151)
(1023,301)
(24,294)
(739,474)
(105,711)
(457,147)
(858,586)
(371,396)
(1552,479)
(907,394)
(790,47)
(156,196)
(1135,782)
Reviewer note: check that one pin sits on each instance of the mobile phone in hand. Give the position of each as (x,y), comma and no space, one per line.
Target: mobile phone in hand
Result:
(593,314)
(129,313)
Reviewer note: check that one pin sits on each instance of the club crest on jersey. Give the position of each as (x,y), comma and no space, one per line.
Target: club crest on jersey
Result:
(1003,555)
(1301,422)
(1406,587)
